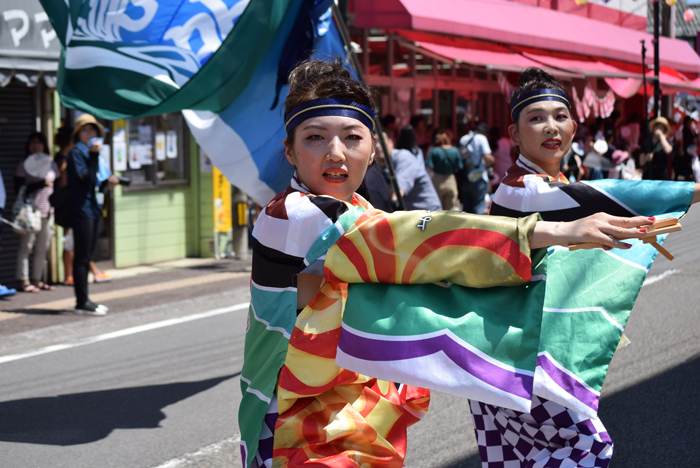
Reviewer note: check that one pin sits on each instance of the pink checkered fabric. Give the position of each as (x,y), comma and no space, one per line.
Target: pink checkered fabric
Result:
(549,436)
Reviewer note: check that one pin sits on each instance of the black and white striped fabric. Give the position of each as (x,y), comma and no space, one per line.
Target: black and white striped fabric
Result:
(526,188)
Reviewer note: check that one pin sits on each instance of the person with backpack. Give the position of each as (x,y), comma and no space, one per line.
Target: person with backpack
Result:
(473,179)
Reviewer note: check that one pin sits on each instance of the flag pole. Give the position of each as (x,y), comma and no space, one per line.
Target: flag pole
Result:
(345,35)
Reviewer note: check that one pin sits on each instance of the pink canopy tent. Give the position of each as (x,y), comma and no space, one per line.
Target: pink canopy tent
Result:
(506,22)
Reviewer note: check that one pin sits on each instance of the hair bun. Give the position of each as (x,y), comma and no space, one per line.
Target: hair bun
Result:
(534,74)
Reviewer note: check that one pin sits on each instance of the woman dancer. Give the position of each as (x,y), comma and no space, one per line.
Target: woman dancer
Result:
(298,407)
(550,434)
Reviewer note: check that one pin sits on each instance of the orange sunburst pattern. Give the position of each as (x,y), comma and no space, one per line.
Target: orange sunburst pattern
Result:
(421,247)
(329,416)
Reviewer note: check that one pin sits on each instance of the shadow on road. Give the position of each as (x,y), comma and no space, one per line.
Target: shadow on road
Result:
(82,418)
(470,462)
(653,424)
(31,311)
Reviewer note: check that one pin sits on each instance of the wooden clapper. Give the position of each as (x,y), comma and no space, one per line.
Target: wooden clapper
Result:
(663,226)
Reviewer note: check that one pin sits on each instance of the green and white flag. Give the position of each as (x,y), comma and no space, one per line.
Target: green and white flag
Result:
(224,63)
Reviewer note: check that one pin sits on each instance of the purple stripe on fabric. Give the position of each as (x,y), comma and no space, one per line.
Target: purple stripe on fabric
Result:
(244,455)
(369,349)
(568,383)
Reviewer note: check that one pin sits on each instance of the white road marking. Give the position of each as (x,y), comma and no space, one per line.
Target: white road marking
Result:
(124,332)
(655,278)
(188,458)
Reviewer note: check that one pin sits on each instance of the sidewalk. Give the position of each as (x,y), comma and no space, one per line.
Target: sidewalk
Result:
(131,288)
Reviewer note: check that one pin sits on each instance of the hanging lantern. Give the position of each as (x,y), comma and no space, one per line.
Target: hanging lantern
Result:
(689,15)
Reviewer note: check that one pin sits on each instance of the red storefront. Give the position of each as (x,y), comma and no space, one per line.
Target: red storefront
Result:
(454,61)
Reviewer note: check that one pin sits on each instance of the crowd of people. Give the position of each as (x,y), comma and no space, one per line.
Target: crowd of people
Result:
(466,171)
(67,189)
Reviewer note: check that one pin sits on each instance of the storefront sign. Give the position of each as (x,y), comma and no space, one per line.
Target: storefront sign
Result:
(119,144)
(222,202)
(25,30)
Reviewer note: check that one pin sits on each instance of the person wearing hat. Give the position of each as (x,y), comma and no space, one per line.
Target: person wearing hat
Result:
(34,180)
(654,157)
(571,163)
(83,165)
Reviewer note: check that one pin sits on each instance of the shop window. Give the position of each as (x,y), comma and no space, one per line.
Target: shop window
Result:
(155,151)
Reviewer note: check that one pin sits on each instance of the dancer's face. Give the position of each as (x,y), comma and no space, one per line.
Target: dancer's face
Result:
(331,155)
(544,133)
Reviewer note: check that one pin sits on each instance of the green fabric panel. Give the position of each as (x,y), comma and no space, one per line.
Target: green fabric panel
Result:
(58,16)
(584,342)
(264,357)
(110,93)
(502,322)
(591,349)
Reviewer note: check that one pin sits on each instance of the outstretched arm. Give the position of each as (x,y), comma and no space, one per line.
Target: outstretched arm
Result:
(596,228)
(696,193)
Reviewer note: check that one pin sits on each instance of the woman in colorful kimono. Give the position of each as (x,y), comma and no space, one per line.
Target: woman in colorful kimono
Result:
(551,435)
(298,407)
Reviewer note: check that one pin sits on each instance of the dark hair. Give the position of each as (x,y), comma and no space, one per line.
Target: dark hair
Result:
(388,120)
(316,79)
(39,136)
(534,78)
(407,139)
(482,128)
(416,119)
(62,138)
(440,137)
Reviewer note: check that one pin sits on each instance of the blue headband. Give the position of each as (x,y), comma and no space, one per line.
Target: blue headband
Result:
(329,106)
(536,96)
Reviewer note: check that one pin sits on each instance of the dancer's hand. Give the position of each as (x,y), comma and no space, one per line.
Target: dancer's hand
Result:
(600,228)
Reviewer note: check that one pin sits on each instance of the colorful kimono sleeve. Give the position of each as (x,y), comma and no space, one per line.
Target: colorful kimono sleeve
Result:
(416,247)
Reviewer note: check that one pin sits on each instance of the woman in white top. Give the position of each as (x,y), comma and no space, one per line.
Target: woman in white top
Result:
(38,184)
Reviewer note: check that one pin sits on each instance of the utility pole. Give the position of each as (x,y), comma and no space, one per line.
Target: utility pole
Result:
(657,84)
(644,83)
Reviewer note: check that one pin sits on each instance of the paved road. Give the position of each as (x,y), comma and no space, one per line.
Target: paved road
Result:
(167,397)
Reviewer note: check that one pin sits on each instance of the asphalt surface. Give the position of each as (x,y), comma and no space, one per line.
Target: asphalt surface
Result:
(166,395)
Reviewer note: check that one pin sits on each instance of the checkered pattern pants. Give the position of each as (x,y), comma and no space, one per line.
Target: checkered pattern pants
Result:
(549,436)
(263,457)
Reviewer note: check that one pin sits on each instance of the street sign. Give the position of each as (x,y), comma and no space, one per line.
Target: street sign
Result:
(222,202)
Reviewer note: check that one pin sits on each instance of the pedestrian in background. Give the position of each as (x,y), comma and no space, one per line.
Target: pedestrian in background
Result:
(64,141)
(503,149)
(473,179)
(416,188)
(655,153)
(444,161)
(34,181)
(83,165)
(408,141)
(4,290)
